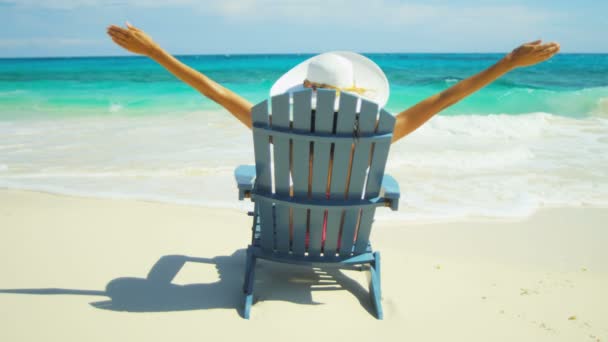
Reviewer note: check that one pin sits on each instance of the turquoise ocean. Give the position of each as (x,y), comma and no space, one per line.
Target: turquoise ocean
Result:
(123,127)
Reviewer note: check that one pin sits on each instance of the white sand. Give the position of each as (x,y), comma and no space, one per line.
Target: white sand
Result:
(540,279)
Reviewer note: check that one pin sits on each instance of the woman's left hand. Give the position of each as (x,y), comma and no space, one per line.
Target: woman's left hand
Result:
(133,39)
(531,53)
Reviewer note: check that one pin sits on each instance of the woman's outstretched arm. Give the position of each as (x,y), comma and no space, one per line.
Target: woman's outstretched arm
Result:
(525,55)
(137,41)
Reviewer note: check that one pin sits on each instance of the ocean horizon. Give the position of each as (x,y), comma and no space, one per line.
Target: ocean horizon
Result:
(123,127)
(366,53)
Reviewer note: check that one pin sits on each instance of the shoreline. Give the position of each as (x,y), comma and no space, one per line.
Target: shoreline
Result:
(452,169)
(81,268)
(384,216)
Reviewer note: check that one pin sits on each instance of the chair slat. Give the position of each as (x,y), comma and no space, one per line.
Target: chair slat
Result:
(349,228)
(282,227)
(300,158)
(332,232)
(323,122)
(367,217)
(342,151)
(261,146)
(368,116)
(367,124)
(302,111)
(299,231)
(317,217)
(267,226)
(280,119)
(340,168)
(324,117)
(380,154)
(386,124)
(301,149)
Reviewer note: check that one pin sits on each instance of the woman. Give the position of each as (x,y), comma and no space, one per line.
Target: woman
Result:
(137,41)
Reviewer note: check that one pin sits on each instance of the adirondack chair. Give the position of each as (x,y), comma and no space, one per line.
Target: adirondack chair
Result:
(313,223)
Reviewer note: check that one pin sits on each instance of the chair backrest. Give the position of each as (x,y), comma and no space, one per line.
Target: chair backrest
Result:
(336,161)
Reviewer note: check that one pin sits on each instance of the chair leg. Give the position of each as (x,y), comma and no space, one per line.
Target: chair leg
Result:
(247,270)
(378,271)
(248,283)
(374,286)
(247,307)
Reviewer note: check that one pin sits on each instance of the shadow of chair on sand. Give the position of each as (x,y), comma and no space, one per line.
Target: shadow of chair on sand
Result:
(157,293)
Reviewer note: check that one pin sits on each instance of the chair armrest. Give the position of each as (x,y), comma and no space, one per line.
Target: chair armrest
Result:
(390,189)
(245,179)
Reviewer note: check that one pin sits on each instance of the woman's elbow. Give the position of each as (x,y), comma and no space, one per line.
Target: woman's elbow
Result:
(446,99)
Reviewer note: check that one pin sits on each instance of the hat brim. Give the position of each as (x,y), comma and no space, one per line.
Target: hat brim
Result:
(368,75)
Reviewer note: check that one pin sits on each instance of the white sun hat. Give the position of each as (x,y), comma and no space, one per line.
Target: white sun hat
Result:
(343,70)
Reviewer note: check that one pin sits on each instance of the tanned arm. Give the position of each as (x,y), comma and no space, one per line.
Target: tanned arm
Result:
(137,41)
(525,55)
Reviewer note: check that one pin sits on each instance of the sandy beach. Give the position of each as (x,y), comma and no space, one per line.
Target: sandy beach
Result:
(77,269)
(122,123)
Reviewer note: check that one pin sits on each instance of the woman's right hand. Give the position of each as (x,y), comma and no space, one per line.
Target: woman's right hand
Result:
(133,39)
(531,53)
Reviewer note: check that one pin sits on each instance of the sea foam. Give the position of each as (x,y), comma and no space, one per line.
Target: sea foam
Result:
(501,165)
(453,167)
(602,108)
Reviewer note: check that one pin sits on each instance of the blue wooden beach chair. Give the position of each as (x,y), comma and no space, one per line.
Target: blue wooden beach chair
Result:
(314,223)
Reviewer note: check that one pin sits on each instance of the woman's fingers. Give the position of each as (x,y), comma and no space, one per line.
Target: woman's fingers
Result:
(119,41)
(117,28)
(131,27)
(546,50)
(536,42)
(122,45)
(556,46)
(120,36)
(117,33)
(547,53)
(552,45)
(551,49)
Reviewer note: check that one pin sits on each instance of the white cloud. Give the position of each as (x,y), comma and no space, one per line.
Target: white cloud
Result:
(47,42)
(378,15)
(381,14)
(74,4)
(342,11)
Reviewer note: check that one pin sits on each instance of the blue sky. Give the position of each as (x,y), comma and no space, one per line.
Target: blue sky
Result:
(31,28)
